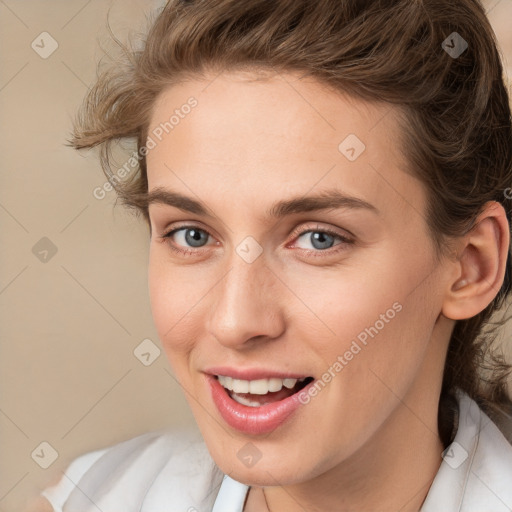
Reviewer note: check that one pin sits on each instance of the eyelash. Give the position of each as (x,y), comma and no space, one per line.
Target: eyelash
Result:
(296,233)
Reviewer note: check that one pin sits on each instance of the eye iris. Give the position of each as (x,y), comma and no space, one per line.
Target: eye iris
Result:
(195,238)
(324,239)
(319,239)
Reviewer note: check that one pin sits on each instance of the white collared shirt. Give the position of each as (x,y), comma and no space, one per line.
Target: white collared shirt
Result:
(173,472)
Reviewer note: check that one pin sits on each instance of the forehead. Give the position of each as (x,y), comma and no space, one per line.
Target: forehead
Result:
(275,136)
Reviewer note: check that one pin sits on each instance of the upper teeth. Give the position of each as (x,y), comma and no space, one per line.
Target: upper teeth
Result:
(257,387)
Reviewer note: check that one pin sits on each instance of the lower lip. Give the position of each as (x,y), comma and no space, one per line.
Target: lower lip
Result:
(253,420)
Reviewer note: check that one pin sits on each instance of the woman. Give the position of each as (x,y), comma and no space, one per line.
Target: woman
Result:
(325,184)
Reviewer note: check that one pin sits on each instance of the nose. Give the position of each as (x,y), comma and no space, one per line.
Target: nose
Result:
(246,306)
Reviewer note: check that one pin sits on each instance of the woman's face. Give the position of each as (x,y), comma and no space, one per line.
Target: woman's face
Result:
(280,282)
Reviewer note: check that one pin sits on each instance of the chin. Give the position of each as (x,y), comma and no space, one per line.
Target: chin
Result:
(269,465)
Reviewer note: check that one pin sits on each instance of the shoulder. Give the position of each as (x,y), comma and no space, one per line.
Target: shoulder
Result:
(58,493)
(489,482)
(476,471)
(141,473)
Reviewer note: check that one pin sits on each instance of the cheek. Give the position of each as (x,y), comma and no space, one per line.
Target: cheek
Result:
(377,314)
(341,303)
(382,331)
(386,336)
(174,296)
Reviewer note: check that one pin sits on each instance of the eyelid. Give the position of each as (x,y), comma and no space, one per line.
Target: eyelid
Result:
(297,232)
(168,232)
(192,224)
(301,230)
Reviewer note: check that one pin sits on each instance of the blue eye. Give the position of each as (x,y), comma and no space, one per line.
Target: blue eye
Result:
(189,235)
(320,240)
(194,237)
(187,240)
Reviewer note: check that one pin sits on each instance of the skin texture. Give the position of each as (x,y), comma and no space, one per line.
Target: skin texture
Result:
(369,439)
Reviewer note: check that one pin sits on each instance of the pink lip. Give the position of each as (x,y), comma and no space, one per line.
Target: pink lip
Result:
(252,420)
(252,373)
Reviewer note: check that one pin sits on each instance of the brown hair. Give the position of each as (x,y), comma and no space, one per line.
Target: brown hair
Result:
(456,127)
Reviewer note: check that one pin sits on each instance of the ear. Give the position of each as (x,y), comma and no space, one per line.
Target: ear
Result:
(480,264)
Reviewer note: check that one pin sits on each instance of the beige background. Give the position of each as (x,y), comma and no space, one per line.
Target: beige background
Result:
(69,325)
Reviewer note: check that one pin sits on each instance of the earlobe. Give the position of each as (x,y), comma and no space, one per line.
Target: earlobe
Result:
(480,265)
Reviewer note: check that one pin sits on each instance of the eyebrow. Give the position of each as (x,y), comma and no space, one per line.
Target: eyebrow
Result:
(327,200)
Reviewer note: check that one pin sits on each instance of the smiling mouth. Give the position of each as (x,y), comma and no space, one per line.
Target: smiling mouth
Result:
(256,393)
